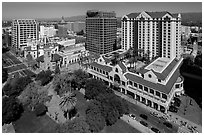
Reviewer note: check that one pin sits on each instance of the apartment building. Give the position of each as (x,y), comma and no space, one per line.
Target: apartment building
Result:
(101,29)
(152,33)
(21,30)
(155,85)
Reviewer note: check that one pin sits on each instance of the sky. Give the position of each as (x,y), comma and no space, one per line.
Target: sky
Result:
(34,10)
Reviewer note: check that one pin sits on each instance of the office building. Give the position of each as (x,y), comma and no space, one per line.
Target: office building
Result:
(49,31)
(21,30)
(101,28)
(154,85)
(152,33)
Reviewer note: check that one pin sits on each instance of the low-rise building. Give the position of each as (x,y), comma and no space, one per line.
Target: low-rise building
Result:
(154,85)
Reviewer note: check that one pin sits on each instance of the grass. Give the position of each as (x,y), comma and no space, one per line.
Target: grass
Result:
(29,123)
(120,127)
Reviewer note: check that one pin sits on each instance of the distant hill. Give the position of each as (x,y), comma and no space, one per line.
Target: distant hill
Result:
(187,19)
(192,19)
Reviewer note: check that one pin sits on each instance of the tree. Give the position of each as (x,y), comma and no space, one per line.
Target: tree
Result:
(94,118)
(57,70)
(80,78)
(198,60)
(44,76)
(11,110)
(7,89)
(40,110)
(33,95)
(62,83)
(93,88)
(108,109)
(4,75)
(15,87)
(67,103)
(80,33)
(78,125)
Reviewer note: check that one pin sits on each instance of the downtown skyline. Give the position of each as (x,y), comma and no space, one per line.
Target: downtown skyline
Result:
(37,10)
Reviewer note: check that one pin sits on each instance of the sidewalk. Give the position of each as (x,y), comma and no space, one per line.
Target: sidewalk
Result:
(136,124)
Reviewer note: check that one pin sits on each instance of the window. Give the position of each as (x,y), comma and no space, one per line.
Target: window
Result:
(145,89)
(140,87)
(116,70)
(152,91)
(130,82)
(135,84)
(177,86)
(157,93)
(123,83)
(164,96)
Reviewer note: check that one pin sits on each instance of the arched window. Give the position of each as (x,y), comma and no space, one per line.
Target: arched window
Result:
(116,70)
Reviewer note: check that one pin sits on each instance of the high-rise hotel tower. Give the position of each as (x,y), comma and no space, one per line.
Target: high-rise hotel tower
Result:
(152,33)
(21,30)
(101,29)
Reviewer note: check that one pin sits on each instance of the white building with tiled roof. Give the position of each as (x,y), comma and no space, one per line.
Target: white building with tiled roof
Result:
(154,84)
(156,33)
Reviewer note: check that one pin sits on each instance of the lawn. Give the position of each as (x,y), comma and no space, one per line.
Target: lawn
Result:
(29,123)
(120,127)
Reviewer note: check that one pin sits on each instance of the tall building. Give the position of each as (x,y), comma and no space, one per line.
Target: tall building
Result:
(152,33)
(21,30)
(101,28)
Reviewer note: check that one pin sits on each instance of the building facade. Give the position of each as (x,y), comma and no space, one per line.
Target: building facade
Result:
(47,31)
(101,29)
(152,33)
(21,30)
(155,85)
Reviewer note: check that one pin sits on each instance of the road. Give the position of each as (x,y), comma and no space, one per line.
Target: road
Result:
(152,120)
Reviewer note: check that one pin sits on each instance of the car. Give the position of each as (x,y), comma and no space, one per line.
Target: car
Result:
(155,130)
(173,109)
(144,123)
(132,116)
(143,116)
(167,124)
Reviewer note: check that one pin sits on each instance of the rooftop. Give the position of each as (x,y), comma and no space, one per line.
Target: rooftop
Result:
(159,64)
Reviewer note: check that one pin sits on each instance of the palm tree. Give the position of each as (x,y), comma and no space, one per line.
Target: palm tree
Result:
(68,102)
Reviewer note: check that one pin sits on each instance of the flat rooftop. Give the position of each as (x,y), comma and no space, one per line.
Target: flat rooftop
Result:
(159,65)
(111,54)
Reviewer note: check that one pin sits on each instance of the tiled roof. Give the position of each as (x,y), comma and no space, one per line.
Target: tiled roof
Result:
(156,86)
(56,57)
(175,15)
(163,74)
(157,14)
(122,66)
(103,67)
(133,15)
(40,59)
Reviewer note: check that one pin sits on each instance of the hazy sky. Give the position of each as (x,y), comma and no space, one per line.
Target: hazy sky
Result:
(17,10)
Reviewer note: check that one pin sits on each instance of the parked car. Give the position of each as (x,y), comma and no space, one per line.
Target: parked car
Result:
(143,116)
(144,123)
(132,116)
(167,124)
(173,109)
(155,130)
